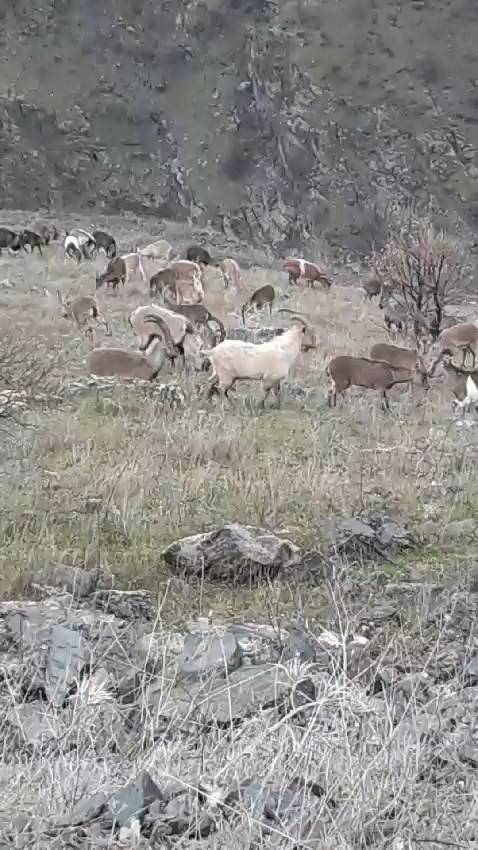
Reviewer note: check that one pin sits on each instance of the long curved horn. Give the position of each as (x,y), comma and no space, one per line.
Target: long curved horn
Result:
(157,320)
(299,317)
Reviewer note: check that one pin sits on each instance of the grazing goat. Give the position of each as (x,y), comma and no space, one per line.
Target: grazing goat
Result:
(189,287)
(297,268)
(134,266)
(261,298)
(196,254)
(9,239)
(462,337)
(345,372)
(128,364)
(199,315)
(106,242)
(455,378)
(159,250)
(114,274)
(145,329)
(163,282)
(405,358)
(34,240)
(231,273)
(79,243)
(269,362)
(46,230)
(471,395)
(372,287)
(81,309)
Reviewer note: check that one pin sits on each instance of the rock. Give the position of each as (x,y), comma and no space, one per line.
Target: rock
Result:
(244,693)
(65,660)
(258,642)
(184,816)
(298,647)
(233,552)
(133,800)
(86,810)
(460,529)
(371,536)
(204,655)
(36,725)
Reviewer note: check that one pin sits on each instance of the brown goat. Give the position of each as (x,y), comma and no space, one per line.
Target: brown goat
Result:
(462,337)
(261,298)
(128,364)
(198,314)
(345,372)
(372,287)
(81,309)
(163,282)
(231,273)
(404,358)
(297,268)
(114,274)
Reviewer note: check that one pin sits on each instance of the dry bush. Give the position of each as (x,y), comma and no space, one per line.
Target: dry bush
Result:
(424,270)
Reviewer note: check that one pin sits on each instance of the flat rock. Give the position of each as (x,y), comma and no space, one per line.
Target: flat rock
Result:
(245,692)
(372,536)
(233,552)
(205,654)
(65,660)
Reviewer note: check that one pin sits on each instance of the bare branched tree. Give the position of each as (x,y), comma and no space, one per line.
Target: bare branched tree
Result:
(423,271)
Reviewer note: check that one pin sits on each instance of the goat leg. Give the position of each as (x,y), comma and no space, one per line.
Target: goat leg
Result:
(385,404)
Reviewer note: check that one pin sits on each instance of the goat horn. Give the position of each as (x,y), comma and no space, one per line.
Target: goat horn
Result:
(299,316)
(150,317)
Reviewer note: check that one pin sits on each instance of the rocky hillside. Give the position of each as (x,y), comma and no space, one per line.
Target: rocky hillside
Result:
(279,122)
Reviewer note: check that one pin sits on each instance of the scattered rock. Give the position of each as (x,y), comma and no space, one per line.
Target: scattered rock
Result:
(206,654)
(372,536)
(233,552)
(65,659)
(133,800)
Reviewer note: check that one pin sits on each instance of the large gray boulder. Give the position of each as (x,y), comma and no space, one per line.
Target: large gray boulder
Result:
(233,552)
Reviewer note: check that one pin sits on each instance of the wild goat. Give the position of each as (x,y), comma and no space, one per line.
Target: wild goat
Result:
(81,309)
(269,362)
(189,286)
(34,240)
(345,372)
(405,358)
(298,268)
(462,337)
(106,242)
(372,287)
(393,313)
(196,254)
(134,266)
(79,243)
(9,239)
(231,273)
(145,328)
(159,250)
(128,364)
(471,395)
(46,230)
(261,298)
(162,283)
(114,274)
(199,315)
(455,378)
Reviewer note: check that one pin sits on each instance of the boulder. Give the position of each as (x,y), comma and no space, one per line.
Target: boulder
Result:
(206,654)
(233,552)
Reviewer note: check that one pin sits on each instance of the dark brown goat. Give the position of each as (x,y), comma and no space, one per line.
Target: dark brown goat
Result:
(259,299)
(114,274)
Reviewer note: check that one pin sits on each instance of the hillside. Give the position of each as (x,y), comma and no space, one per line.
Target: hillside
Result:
(285,124)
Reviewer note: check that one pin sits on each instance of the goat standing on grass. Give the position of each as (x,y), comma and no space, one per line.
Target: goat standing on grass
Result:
(114,274)
(10,240)
(269,362)
(200,316)
(81,309)
(261,298)
(105,242)
(231,273)
(133,364)
(462,337)
(298,268)
(345,372)
(79,243)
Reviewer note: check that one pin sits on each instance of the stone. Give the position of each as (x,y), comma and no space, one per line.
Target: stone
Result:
(233,552)
(368,536)
(79,582)
(298,647)
(245,692)
(133,800)
(65,660)
(205,654)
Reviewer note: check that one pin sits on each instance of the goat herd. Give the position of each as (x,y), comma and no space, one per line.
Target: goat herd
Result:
(182,326)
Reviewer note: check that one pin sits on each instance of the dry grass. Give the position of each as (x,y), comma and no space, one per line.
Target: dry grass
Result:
(162,474)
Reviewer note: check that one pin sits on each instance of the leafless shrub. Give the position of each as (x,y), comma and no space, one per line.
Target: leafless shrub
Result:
(26,377)
(424,271)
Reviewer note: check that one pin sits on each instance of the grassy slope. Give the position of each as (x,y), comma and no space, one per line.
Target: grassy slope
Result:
(166,474)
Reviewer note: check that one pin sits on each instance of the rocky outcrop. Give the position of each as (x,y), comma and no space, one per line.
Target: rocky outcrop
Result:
(295,130)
